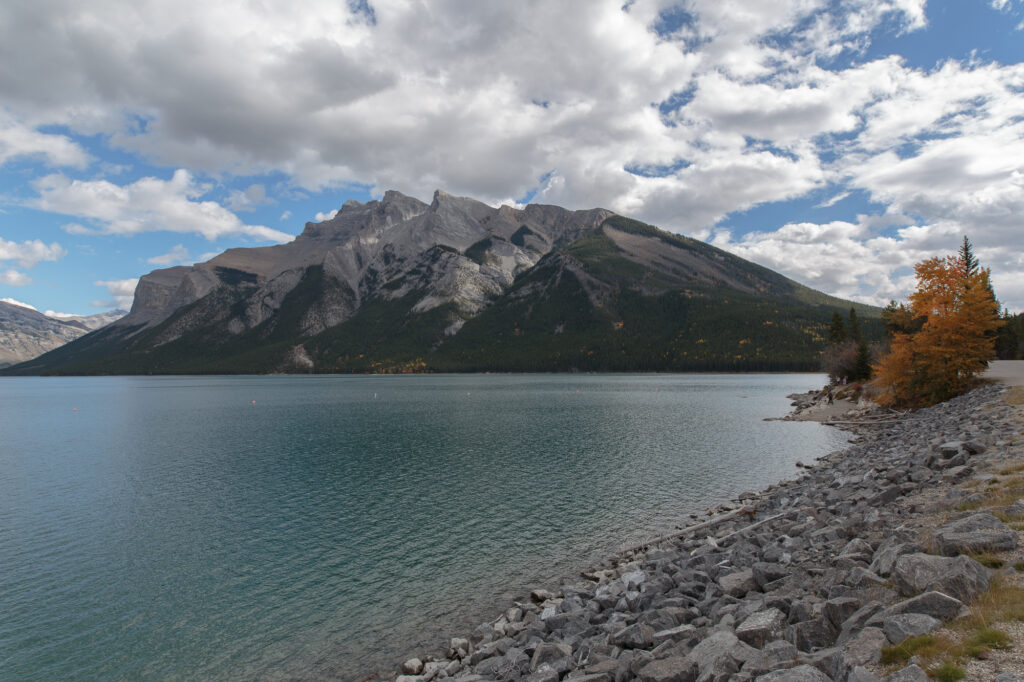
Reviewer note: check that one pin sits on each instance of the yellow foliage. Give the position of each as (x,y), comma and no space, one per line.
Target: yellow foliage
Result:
(954,344)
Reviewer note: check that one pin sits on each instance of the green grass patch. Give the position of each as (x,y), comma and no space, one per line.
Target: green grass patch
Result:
(948,672)
(999,603)
(920,645)
(988,560)
(1019,565)
(942,656)
(985,640)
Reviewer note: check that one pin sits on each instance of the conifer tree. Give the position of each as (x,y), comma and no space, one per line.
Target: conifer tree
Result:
(855,334)
(836,330)
(966,260)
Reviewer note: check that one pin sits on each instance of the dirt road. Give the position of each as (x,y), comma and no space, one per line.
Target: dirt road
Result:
(1009,372)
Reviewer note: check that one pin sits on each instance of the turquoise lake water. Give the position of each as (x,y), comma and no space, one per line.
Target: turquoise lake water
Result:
(323,527)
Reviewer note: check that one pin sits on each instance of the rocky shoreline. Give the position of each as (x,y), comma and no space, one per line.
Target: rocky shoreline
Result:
(806,580)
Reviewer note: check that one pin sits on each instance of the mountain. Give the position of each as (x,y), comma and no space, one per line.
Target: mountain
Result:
(456,285)
(26,333)
(91,322)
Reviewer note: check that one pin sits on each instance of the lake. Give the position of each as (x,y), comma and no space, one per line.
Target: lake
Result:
(323,527)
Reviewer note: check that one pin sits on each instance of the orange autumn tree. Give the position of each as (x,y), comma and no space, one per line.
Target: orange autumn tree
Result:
(960,314)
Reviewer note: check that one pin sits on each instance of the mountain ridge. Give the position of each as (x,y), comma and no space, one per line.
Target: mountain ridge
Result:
(397,284)
(26,333)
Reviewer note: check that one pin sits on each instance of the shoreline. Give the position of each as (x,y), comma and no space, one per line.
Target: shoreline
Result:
(766,585)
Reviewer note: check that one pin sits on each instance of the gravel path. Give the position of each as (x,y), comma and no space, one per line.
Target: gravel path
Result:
(1010,372)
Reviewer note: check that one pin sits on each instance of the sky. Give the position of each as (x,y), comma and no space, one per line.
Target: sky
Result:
(836,141)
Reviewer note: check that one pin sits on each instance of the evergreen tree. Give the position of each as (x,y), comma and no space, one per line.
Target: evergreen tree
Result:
(862,362)
(836,330)
(898,317)
(1010,337)
(966,260)
(855,334)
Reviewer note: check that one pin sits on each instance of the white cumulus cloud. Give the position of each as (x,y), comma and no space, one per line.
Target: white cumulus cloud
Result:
(122,292)
(178,255)
(678,113)
(18,140)
(146,205)
(29,253)
(14,278)
(321,216)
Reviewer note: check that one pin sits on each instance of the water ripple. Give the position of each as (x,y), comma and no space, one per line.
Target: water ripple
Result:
(173,529)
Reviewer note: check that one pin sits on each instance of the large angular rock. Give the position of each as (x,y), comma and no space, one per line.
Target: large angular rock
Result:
(545,673)
(904,625)
(866,647)
(975,534)
(815,634)
(636,636)
(829,661)
(888,552)
(413,666)
(957,473)
(766,572)
(778,654)
(721,654)
(839,609)
(550,653)
(912,673)
(852,625)
(859,674)
(671,669)
(858,549)
(934,604)
(739,583)
(801,673)
(960,577)
(676,634)
(515,663)
(762,627)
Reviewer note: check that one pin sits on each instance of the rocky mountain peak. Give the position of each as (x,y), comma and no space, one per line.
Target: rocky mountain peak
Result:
(26,333)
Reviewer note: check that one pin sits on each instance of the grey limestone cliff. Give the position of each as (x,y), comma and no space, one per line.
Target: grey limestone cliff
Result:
(453,250)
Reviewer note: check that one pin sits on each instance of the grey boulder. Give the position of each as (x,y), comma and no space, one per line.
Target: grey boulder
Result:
(912,673)
(888,552)
(801,673)
(866,647)
(672,669)
(721,654)
(739,583)
(762,627)
(904,625)
(975,534)
(960,577)
(934,604)
(859,674)
(550,653)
